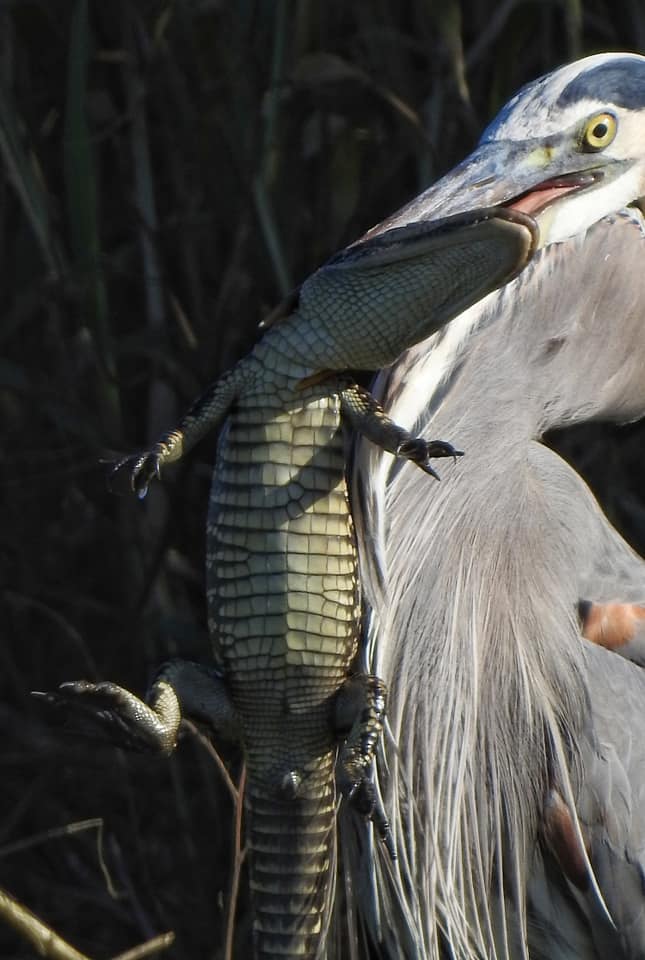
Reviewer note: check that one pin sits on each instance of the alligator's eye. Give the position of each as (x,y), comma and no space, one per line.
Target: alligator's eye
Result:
(599,132)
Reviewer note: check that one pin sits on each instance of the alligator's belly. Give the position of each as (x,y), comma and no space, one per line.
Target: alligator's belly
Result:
(281,557)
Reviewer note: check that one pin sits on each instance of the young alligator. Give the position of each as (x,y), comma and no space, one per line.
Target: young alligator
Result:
(282,583)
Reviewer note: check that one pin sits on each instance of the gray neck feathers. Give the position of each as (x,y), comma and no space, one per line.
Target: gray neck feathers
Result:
(473,582)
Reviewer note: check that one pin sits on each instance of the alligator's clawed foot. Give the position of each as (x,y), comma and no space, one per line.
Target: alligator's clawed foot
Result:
(110,713)
(421,451)
(366,801)
(142,467)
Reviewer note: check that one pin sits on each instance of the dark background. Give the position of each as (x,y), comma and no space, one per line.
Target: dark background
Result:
(168,171)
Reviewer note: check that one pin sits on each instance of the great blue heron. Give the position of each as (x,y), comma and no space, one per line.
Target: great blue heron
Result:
(515,767)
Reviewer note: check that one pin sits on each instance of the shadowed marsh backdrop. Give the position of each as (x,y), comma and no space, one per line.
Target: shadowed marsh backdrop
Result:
(168,171)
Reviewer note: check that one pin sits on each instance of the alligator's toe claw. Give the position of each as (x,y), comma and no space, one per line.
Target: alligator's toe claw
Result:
(427,468)
(439,448)
(366,801)
(420,452)
(144,469)
(141,467)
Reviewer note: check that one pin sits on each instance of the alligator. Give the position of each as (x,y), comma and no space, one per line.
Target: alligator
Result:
(282,569)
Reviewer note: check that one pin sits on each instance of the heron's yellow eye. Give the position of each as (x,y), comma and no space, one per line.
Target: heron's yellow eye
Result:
(599,132)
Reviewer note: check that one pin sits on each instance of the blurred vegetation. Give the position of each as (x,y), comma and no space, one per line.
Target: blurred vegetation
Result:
(169,169)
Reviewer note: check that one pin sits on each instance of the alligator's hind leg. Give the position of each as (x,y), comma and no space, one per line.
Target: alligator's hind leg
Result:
(369,418)
(181,688)
(359,717)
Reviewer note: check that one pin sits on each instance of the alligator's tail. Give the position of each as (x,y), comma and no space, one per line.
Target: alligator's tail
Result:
(292,849)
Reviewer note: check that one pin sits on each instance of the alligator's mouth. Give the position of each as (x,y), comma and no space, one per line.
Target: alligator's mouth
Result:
(538,198)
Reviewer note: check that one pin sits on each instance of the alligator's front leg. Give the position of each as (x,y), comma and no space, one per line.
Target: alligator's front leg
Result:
(181,688)
(206,413)
(367,416)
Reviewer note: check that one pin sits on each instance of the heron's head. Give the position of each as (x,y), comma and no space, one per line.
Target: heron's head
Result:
(568,149)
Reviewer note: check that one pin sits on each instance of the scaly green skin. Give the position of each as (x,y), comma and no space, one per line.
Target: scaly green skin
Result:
(284,615)
(282,580)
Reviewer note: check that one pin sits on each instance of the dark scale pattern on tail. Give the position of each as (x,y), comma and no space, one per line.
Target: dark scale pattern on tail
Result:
(292,849)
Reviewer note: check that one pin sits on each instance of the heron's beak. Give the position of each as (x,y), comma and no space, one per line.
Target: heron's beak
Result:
(529,176)
(524,176)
